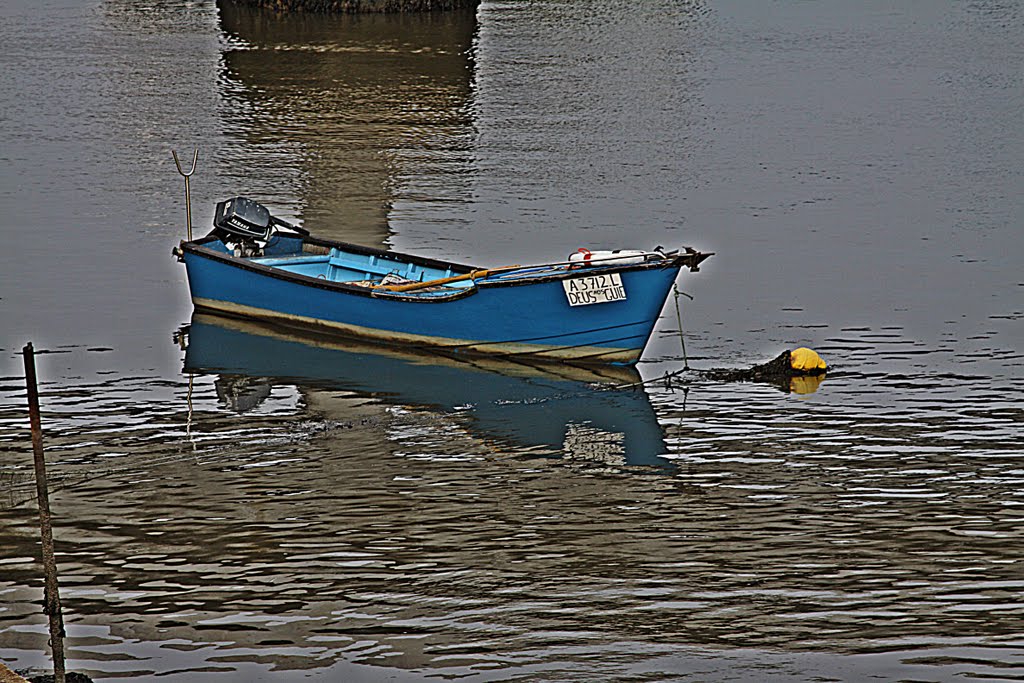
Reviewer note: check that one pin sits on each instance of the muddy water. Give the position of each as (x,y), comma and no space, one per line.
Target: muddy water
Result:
(237,504)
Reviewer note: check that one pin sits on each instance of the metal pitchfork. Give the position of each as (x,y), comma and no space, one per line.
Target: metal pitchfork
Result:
(188,193)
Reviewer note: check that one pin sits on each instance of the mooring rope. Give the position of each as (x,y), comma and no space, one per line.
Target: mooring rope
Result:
(679,322)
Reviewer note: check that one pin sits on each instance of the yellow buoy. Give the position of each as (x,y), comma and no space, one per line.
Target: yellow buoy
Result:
(806,360)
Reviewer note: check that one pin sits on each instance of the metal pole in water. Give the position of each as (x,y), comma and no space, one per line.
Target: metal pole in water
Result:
(188,193)
(51,595)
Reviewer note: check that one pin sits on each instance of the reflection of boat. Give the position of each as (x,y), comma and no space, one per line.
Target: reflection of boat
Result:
(565,408)
(600,308)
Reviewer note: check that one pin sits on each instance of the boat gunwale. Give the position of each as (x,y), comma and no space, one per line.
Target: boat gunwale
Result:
(198,248)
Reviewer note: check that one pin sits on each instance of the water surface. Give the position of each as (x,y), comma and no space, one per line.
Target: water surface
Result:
(256,506)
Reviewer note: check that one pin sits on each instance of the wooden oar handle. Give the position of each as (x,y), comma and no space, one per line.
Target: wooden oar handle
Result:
(445,280)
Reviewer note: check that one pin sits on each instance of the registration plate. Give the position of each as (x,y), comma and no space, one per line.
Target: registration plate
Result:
(594,289)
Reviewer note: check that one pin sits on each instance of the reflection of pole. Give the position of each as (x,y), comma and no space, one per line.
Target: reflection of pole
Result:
(188,419)
(51,596)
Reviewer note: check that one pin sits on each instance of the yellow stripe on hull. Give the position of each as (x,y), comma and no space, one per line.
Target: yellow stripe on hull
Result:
(576,353)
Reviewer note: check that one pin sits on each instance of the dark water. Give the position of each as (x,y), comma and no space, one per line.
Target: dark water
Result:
(261,507)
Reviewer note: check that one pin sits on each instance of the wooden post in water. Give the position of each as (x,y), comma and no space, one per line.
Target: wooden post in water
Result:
(51,596)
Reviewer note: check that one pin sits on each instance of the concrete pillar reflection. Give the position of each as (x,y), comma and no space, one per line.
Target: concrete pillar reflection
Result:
(343,99)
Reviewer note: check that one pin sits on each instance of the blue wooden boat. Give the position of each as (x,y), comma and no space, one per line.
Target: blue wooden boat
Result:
(595,307)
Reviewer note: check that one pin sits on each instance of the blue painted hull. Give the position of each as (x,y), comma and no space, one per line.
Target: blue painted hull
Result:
(516,315)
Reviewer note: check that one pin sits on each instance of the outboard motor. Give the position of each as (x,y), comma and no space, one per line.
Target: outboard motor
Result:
(248,225)
(243,222)
(243,217)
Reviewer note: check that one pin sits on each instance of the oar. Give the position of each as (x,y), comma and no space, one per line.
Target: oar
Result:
(445,280)
(484,273)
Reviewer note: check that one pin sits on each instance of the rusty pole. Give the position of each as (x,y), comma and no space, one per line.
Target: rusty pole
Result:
(51,595)
(188,192)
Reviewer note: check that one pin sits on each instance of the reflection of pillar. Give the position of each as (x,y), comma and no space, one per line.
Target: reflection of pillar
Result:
(362,6)
(344,96)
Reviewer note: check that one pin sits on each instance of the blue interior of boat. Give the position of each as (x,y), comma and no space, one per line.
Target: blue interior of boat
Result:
(344,266)
(341,266)
(287,253)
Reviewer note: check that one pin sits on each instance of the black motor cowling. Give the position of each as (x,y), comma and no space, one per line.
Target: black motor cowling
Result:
(240,217)
(248,225)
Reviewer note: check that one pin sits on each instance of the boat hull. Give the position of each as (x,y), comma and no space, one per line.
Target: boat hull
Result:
(529,318)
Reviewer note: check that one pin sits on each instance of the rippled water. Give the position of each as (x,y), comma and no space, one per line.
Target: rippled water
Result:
(233,503)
